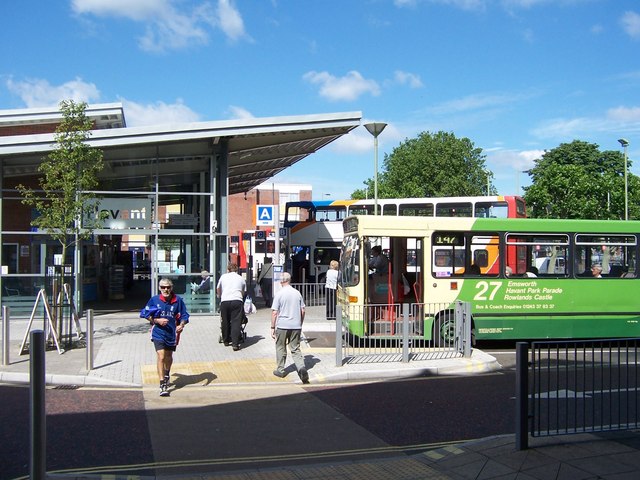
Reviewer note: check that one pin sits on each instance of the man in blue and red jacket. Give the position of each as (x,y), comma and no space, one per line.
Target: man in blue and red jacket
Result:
(168,315)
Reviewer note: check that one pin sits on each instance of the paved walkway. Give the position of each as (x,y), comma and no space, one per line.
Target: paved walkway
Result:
(123,357)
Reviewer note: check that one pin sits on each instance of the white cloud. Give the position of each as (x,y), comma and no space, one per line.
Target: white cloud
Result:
(562,128)
(40,93)
(462,4)
(239,113)
(406,78)
(481,5)
(523,3)
(624,114)
(597,29)
(138,115)
(360,141)
(476,102)
(138,10)
(350,87)
(230,20)
(404,3)
(166,26)
(631,24)
(616,121)
(503,163)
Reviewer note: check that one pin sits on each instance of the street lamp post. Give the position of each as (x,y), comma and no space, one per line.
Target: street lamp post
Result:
(375,129)
(625,144)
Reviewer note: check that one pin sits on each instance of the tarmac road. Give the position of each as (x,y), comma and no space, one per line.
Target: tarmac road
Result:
(225,427)
(85,428)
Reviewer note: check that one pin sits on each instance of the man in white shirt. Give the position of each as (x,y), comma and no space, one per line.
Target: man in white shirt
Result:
(231,289)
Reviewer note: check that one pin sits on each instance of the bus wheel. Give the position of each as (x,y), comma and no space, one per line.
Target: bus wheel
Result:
(444,330)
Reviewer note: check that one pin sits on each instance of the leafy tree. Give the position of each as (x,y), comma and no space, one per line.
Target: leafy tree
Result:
(431,165)
(69,173)
(577,180)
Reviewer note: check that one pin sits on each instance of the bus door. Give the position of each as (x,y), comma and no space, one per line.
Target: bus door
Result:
(401,282)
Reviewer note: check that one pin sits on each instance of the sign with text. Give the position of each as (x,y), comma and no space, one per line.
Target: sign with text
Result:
(125,212)
(265,215)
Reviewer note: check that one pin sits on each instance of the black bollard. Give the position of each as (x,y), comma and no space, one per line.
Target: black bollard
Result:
(37,407)
(522,395)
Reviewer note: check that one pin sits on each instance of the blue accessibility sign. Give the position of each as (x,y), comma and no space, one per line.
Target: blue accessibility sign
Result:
(265,215)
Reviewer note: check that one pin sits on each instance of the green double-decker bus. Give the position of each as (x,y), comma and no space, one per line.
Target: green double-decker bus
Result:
(524,278)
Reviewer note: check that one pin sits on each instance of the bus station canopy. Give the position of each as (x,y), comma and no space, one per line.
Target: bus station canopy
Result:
(257,149)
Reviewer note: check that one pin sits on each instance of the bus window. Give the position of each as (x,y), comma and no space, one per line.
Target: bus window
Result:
(538,255)
(330,214)
(521,209)
(416,210)
(481,258)
(323,256)
(389,209)
(459,209)
(485,253)
(442,258)
(492,210)
(613,254)
(356,209)
(349,266)
(447,262)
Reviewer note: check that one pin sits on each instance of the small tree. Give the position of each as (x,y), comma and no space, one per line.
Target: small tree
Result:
(578,180)
(65,205)
(431,165)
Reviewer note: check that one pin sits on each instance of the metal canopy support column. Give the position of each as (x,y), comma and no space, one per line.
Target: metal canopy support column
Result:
(220,188)
(218,207)
(1,228)
(156,223)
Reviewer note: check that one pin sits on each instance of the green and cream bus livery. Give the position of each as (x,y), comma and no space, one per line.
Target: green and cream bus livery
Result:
(524,278)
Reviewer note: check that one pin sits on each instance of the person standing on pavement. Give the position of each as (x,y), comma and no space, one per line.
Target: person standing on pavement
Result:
(231,290)
(330,288)
(287,317)
(265,280)
(168,315)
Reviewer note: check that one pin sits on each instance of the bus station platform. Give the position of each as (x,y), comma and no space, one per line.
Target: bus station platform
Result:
(124,358)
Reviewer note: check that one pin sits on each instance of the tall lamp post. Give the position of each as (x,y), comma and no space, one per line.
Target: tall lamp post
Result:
(625,144)
(375,129)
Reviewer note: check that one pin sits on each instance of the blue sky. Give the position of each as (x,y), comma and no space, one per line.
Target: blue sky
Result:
(514,76)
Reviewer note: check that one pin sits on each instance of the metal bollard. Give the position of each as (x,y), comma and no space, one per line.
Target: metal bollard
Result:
(338,335)
(405,332)
(37,388)
(6,314)
(522,395)
(89,338)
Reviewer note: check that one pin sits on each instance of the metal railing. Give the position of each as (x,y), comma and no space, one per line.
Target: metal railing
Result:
(312,293)
(403,332)
(577,387)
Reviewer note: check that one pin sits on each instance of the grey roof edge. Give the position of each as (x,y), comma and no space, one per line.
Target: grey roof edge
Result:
(187,131)
(53,112)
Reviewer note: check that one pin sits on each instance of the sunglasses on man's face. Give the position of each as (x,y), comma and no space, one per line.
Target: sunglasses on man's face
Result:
(165,287)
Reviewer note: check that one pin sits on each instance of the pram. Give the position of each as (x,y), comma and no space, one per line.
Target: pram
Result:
(243,332)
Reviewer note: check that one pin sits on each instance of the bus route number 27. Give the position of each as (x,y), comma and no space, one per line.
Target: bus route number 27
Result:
(486,290)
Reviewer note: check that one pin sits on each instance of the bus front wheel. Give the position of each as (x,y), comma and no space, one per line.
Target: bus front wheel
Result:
(444,330)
